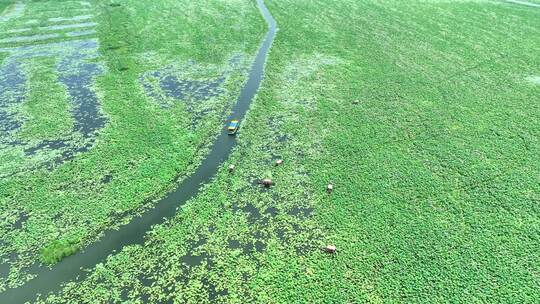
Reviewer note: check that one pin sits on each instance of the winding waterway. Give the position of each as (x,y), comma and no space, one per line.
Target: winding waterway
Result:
(50,279)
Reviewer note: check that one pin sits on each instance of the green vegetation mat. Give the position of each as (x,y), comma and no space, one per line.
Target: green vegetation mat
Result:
(424,116)
(46,103)
(3,5)
(99,167)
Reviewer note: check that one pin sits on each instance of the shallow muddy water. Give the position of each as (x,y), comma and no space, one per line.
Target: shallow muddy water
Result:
(50,280)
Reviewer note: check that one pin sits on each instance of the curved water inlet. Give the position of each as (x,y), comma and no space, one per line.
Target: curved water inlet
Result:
(70,268)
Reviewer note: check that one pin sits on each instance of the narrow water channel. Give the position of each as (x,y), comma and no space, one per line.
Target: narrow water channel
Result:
(70,268)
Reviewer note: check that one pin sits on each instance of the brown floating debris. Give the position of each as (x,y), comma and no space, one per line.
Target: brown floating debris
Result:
(279,162)
(330,249)
(330,188)
(231,168)
(267,182)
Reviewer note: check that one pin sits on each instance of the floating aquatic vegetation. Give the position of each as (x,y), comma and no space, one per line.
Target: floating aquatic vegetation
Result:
(96,190)
(67,26)
(399,161)
(15,11)
(81,33)
(75,18)
(302,70)
(20,30)
(247,226)
(32,38)
(194,85)
(77,74)
(305,66)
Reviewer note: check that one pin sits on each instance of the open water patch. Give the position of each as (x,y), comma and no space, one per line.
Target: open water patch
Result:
(195,85)
(77,71)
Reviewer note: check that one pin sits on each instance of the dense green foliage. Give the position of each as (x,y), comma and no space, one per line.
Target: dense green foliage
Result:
(144,149)
(56,250)
(3,5)
(424,117)
(47,103)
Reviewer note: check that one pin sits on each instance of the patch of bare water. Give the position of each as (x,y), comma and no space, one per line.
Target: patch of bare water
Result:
(301,212)
(50,279)
(182,88)
(167,82)
(192,84)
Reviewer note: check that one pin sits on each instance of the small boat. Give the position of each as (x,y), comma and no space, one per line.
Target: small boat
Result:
(233,126)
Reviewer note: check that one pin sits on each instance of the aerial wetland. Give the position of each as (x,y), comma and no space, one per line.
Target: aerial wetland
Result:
(269,151)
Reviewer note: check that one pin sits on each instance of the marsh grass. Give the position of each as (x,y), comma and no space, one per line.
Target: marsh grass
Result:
(58,249)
